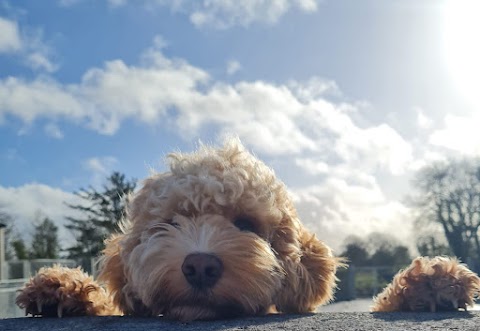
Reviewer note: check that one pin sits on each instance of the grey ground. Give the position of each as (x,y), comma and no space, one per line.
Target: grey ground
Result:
(346,315)
(319,321)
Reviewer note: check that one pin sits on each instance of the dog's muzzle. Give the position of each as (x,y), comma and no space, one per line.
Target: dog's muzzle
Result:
(202,270)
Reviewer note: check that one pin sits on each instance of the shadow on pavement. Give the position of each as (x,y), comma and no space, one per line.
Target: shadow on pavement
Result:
(422,316)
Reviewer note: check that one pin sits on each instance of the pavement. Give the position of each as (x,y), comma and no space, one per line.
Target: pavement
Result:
(345,315)
(352,306)
(319,321)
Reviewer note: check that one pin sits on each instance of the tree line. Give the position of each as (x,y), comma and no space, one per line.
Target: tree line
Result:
(445,206)
(100,212)
(377,250)
(44,243)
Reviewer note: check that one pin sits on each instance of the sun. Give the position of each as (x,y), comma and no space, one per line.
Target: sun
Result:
(462,46)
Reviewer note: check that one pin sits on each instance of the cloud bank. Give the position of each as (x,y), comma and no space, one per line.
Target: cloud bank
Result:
(335,159)
(222,14)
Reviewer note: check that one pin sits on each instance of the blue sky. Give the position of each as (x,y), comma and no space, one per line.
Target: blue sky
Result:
(345,99)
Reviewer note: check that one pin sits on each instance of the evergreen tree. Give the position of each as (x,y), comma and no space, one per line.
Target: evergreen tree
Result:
(20,249)
(102,211)
(44,242)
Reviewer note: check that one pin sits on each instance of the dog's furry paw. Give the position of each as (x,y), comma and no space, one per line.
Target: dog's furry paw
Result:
(60,291)
(430,284)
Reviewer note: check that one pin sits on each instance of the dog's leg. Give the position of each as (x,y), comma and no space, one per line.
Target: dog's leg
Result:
(61,292)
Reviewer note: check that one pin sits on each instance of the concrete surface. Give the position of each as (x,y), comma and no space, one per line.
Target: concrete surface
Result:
(7,303)
(352,306)
(321,321)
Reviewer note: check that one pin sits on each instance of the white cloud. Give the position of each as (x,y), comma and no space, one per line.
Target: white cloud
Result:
(339,138)
(27,44)
(223,14)
(100,167)
(280,119)
(233,67)
(38,61)
(313,167)
(391,150)
(52,130)
(67,3)
(10,36)
(460,134)
(117,3)
(423,121)
(275,120)
(308,5)
(36,53)
(271,113)
(337,209)
(29,100)
(159,42)
(112,3)
(105,97)
(314,88)
(24,203)
(227,13)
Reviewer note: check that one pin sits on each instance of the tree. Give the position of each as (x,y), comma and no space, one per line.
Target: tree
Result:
(386,250)
(20,249)
(377,249)
(449,196)
(432,245)
(44,241)
(10,235)
(356,251)
(101,213)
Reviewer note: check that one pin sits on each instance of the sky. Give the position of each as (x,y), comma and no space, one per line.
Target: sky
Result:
(344,99)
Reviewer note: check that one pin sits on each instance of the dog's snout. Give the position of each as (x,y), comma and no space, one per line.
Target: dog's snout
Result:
(202,270)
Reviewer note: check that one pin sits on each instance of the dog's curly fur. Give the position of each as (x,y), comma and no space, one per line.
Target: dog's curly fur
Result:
(201,206)
(430,284)
(59,291)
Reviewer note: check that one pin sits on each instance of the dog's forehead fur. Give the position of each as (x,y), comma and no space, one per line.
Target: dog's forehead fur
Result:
(227,180)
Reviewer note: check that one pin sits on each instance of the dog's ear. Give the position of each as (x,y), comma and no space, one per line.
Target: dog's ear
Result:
(113,275)
(112,270)
(309,266)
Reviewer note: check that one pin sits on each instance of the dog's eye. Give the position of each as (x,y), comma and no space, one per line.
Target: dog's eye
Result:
(244,224)
(173,223)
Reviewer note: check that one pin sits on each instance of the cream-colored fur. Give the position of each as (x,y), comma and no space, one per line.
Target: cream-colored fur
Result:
(275,264)
(430,284)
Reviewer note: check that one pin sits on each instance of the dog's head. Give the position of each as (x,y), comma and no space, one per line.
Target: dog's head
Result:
(216,236)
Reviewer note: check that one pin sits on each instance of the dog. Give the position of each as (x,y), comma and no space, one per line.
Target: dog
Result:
(216,236)
(430,284)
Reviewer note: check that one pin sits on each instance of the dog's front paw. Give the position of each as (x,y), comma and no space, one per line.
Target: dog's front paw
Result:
(60,291)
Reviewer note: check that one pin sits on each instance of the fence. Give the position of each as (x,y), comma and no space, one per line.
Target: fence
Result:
(363,282)
(26,268)
(8,293)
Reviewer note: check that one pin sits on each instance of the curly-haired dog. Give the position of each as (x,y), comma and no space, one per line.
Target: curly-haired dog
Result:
(217,236)
(430,284)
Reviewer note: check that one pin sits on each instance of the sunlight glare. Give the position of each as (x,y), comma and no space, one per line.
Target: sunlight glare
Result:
(462,46)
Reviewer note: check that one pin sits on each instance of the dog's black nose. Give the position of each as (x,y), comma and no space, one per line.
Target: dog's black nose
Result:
(202,270)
